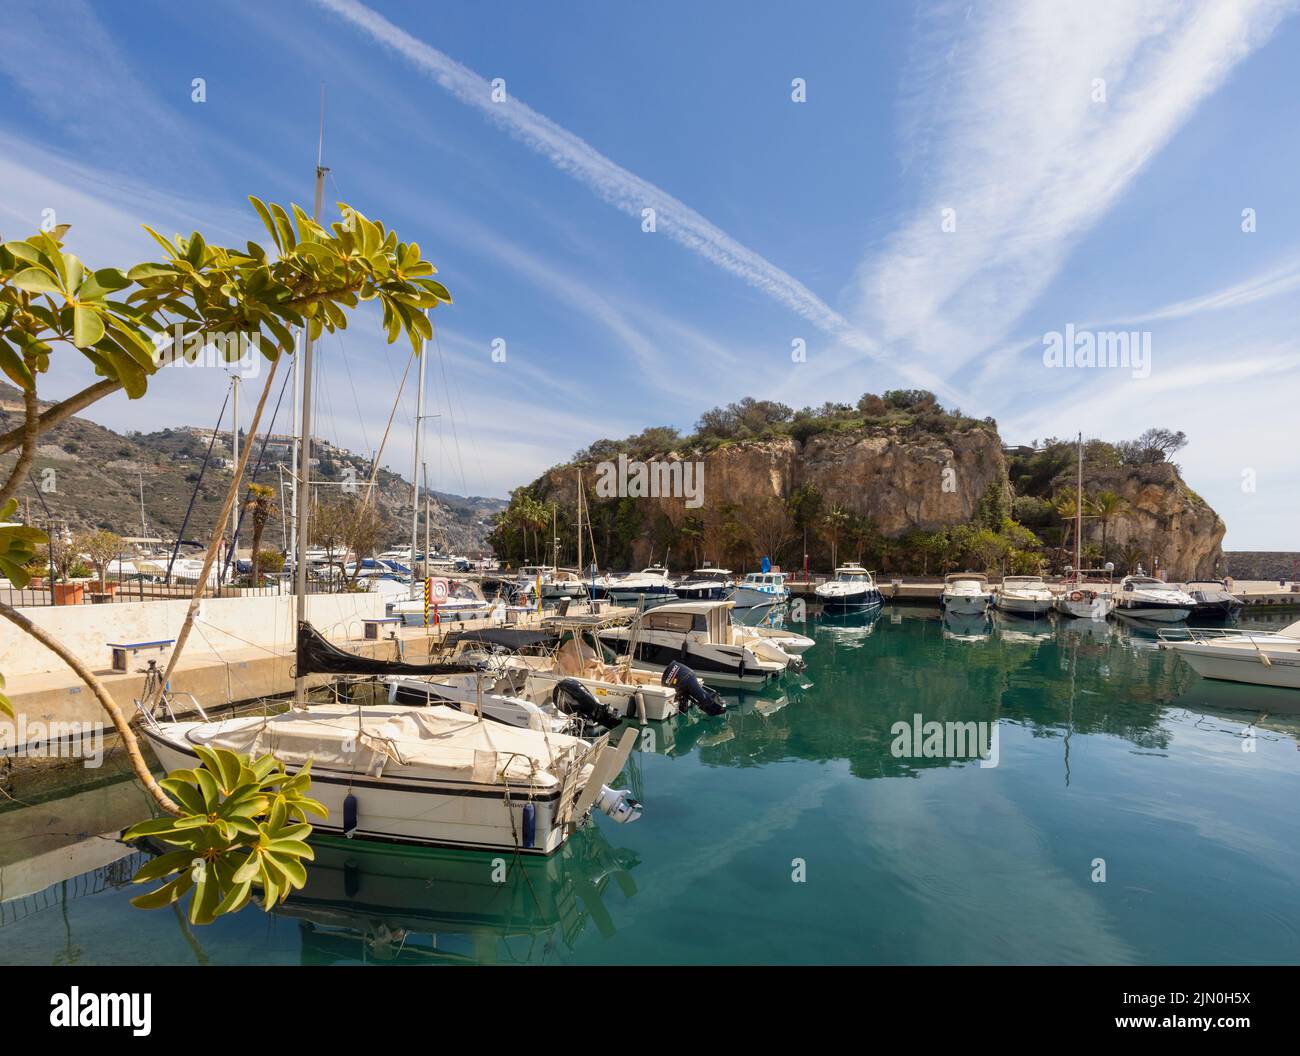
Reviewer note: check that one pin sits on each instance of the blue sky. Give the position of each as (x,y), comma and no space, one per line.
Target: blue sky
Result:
(1105,207)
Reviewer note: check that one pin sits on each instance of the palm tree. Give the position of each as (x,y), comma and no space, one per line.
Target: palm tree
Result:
(835,519)
(1066,505)
(260,502)
(1107,505)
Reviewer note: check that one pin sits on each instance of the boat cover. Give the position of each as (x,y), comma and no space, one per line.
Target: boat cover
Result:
(317,656)
(434,742)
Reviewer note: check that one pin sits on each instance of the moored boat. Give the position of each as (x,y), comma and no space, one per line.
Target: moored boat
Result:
(1143,597)
(853,589)
(760,589)
(1025,596)
(1256,658)
(965,593)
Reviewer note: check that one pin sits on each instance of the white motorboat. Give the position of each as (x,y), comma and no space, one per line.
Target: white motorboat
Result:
(1025,596)
(651,583)
(759,589)
(966,594)
(425,775)
(698,634)
(1146,598)
(1258,658)
(706,584)
(852,590)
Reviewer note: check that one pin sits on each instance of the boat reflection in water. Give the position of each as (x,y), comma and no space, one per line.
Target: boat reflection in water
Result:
(374,903)
(967,627)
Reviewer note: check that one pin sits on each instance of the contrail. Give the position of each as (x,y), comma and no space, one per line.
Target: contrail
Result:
(610,181)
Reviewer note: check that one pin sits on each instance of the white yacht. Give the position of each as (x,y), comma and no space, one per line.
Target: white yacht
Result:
(1258,658)
(553,583)
(650,583)
(966,594)
(1147,598)
(706,584)
(1025,596)
(852,590)
(698,634)
(758,589)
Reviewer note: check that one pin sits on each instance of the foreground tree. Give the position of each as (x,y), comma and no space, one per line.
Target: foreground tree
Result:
(129,324)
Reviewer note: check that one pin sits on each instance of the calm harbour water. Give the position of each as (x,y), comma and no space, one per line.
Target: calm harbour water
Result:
(1107,749)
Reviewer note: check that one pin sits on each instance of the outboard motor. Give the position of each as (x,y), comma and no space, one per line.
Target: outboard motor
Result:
(619,804)
(692,690)
(573,698)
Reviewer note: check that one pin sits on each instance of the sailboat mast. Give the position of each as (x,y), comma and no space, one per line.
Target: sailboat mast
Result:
(415,470)
(304,447)
(291,543)
(428,510)
(579,522)
(1078,515)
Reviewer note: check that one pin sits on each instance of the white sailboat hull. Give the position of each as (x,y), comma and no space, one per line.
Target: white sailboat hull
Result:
(415,810)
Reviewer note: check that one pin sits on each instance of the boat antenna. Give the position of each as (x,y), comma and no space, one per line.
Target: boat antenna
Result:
(304,445)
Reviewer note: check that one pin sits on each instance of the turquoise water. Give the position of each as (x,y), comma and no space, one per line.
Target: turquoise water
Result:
(791,831)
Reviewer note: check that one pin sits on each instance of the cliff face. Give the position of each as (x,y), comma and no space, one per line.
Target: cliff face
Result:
(902,483)
(1162,517)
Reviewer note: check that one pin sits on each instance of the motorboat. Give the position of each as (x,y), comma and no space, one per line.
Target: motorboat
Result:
(552,583)
(1254,657)
(1144,597)
(853,589)
(1213,600)
(1025,596)
(539,667)
(759,589)
(966,594)
(424,775)
(649,583)
(700,635)
(706,584)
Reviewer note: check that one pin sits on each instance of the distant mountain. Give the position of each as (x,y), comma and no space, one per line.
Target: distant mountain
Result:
(88,476)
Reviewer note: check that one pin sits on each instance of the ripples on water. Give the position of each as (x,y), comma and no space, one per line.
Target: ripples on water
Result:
(1108,751)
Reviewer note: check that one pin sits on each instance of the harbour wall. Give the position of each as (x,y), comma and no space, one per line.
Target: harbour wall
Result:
(223,625)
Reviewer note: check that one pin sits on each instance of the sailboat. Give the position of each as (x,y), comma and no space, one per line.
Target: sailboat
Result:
(408,775)
(1083,597)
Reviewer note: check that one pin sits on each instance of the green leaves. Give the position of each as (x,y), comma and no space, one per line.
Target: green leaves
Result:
(18,545)
(243,830)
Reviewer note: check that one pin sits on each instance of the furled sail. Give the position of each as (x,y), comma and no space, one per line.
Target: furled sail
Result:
(317,656)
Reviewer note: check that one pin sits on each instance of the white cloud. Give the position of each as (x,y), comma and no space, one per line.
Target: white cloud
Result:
(1007,123)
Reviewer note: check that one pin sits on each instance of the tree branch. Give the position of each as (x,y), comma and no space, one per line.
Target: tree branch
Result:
(30,429)
(120,722)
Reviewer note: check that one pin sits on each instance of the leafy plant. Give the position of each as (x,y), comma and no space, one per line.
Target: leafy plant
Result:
(19,546)
(243,825)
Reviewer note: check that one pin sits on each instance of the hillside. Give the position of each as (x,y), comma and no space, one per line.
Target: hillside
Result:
(894,481)
(88,476)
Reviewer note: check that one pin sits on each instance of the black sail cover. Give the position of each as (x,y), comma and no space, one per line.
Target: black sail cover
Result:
(316,656)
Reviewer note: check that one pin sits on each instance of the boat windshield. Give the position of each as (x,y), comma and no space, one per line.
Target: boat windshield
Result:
(851,577)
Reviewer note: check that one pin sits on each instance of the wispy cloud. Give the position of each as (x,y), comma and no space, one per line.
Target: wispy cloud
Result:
(1276,282)
(1007,118)
(613,183)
